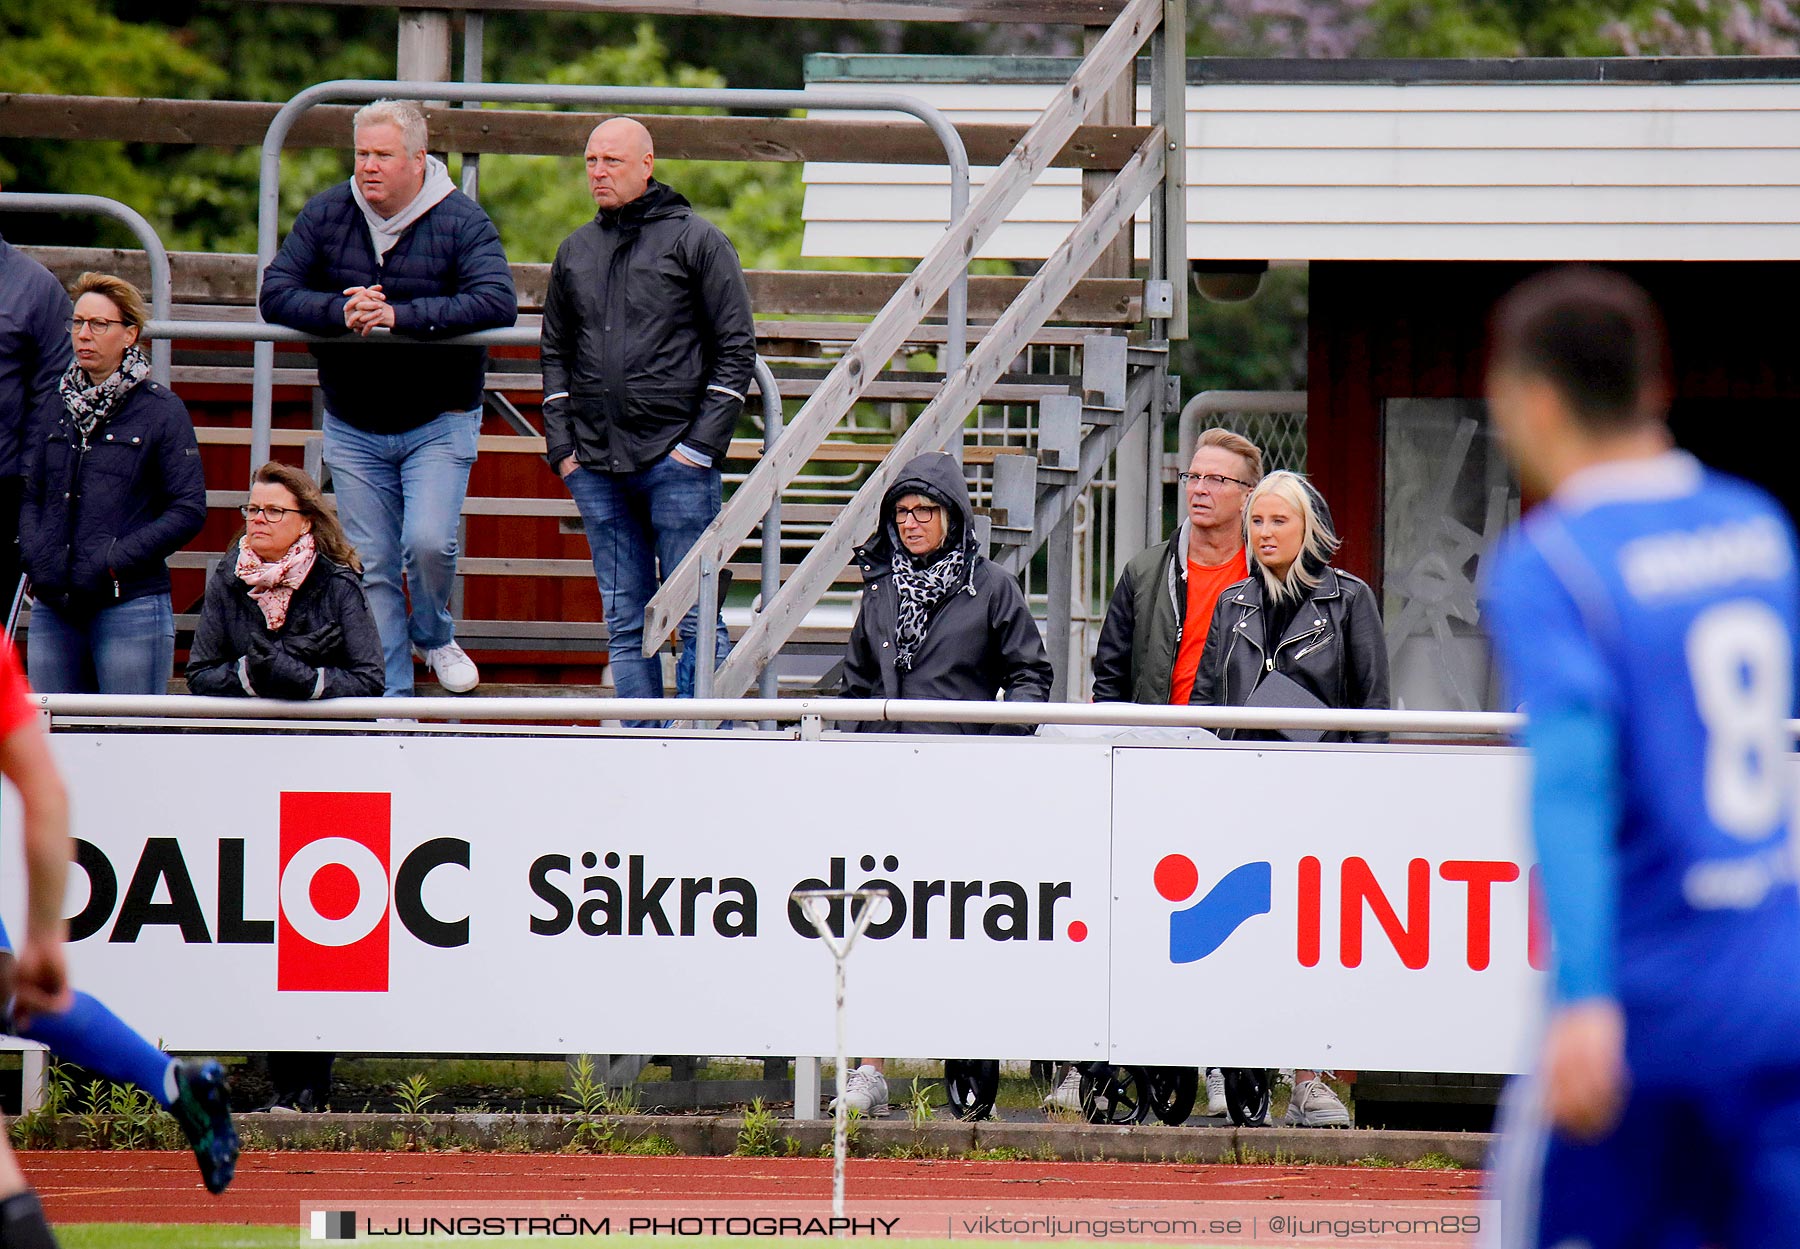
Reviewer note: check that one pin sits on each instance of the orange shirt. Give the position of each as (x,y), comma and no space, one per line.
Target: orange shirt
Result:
(16,707)
(1205,583)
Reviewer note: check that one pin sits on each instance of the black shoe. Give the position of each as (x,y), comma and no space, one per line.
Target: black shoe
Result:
(203,1110)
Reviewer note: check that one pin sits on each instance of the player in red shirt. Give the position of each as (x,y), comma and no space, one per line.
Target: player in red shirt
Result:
(37,978)
(81,1028)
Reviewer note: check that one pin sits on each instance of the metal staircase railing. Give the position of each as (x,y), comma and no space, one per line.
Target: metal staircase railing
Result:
(1111,57)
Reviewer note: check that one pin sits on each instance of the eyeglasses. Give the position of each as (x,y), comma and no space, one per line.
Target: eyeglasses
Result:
(924,514)
(93,325)
(1215,480)
(274,515)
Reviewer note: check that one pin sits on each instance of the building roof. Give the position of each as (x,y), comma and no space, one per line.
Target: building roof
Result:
(1601,159)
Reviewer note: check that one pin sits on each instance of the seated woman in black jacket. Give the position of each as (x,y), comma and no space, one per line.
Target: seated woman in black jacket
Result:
(285,615)
(112,489)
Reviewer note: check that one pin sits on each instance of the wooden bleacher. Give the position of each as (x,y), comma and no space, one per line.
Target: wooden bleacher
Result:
(530,612)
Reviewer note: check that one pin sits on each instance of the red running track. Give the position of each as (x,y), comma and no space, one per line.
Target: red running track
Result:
(162,1187)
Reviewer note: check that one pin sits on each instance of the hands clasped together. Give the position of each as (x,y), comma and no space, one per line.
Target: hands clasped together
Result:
(367,309)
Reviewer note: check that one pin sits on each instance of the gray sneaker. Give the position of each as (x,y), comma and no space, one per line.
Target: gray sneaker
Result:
(866,1092)
(1215,1092)
(1315,1105)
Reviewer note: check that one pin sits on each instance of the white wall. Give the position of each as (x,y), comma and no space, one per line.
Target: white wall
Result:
(1617,171)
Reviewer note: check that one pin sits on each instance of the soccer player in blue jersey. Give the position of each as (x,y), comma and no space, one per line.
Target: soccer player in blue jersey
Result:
(1644,616)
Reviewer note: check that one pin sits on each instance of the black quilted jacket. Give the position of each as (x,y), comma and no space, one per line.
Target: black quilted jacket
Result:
(446,275)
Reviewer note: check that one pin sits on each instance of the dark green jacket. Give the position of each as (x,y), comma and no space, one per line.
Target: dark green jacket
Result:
(1135,656)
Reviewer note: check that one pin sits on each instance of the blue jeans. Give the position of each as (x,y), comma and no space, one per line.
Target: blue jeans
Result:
(634,522)
(128,648)
(400,500)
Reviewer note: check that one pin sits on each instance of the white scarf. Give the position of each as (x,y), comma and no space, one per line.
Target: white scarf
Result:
(384,232)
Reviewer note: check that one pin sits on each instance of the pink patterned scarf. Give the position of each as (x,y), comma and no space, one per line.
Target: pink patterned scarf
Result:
(272,584)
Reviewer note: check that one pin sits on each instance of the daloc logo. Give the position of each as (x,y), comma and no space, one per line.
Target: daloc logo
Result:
(1198,930)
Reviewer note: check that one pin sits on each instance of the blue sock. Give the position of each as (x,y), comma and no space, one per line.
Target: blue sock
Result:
(90,1034)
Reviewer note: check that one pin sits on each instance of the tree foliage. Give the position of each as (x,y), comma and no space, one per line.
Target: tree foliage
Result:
(205,198)
(1475,28)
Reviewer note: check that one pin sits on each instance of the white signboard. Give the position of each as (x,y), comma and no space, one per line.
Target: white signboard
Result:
(1323,908)
(621,895)
(1224,906)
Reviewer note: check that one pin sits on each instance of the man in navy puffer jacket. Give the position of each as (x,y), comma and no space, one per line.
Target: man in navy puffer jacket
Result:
(398,248)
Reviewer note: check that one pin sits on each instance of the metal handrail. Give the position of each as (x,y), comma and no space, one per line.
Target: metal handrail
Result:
(1212,402)
(162,284)
(269,189)
(891,711)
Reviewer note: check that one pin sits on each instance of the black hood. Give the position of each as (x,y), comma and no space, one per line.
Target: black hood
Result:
(656,203)
(1313,565)
(939,477)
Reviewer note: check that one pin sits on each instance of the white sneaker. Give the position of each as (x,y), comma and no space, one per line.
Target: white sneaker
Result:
(1215,1092)
(866,1092)
(451,665)
(1315,1105)
(1067,1095)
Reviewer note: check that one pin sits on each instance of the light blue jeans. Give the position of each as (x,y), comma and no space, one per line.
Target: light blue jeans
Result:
(635,523)
(128,648)
(400,500)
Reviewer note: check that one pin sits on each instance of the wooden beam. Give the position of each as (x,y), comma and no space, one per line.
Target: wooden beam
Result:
(230,279)
(241,123)
(1061,12)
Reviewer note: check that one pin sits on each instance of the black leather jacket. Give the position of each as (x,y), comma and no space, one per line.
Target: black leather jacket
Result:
(1334,647)
(648,339)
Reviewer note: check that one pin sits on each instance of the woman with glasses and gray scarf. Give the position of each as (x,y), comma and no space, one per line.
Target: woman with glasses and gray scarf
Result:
(112,489)
(938,620)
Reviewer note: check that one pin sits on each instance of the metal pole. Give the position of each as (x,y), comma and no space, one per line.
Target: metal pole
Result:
(473,31)
(816,905)
(769,684)
(1173,64)
(162,299)
(269,177)
(809,713)
(706,628)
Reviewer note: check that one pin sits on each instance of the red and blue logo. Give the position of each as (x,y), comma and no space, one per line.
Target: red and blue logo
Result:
(1196,931)
(1400,910)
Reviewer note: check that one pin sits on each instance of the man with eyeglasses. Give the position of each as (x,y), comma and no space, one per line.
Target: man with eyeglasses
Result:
(398,248)
(1161,610)
(1155,629)
(34,354)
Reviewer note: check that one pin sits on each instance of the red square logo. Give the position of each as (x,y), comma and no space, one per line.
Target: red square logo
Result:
(334,893)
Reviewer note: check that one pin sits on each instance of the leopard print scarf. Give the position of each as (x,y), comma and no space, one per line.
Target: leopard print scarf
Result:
(921,585)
